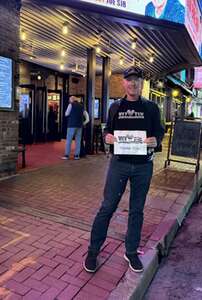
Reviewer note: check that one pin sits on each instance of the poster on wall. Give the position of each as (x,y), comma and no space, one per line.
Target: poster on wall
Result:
(6,75)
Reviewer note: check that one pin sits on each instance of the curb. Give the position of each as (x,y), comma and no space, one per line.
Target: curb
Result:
(133,285)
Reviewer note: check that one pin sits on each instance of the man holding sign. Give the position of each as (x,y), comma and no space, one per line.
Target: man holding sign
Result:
(133,131)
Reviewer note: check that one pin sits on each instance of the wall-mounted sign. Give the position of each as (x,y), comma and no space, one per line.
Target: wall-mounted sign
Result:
(179,11)
(6,83)
(198,78)
(193,23)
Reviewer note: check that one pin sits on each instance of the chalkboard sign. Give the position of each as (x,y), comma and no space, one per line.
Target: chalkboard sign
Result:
(186,139)
(6,83)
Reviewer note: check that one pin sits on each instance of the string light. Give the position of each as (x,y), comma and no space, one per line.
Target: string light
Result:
(65,28)
(39,77)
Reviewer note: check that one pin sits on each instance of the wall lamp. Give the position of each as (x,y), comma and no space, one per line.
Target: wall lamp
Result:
(175,93)
(39,77)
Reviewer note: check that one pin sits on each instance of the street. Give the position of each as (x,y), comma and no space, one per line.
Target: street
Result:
(180,274)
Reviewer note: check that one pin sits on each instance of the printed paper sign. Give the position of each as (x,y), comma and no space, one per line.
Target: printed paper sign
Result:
(130,142)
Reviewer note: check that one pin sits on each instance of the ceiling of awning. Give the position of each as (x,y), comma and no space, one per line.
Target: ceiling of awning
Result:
(44,42)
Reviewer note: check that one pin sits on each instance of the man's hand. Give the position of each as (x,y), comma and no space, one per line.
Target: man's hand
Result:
(110,139)
(151,142)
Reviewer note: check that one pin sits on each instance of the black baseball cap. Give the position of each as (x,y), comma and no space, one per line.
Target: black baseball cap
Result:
(136,71)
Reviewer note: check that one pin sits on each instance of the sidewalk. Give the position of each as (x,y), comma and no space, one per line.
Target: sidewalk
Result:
(45,219)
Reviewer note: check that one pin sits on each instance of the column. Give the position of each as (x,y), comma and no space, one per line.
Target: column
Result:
(105,89)
(90,93)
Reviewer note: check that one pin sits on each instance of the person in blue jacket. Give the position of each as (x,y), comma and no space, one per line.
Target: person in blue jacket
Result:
(171,10)
(77,118)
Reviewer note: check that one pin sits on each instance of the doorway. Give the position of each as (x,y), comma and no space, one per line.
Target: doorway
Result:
(54,113)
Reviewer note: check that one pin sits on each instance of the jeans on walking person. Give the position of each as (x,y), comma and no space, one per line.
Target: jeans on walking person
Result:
(118,175)
(73,133)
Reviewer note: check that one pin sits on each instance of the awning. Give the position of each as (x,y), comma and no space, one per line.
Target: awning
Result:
(179,83)
(168,43)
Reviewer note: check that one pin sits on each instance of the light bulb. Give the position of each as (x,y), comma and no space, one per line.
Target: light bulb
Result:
(65,28)
(63,53)
(175,93)
(23,35)
(151,59)
(134,44)
(98,49)
(121,61)
(61,66)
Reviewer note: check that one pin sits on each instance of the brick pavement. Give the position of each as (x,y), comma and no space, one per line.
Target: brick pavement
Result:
(43,246)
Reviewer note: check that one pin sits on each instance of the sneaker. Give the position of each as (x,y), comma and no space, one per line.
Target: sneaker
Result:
(76,157)
(90,264)
(134,262)
(65,157)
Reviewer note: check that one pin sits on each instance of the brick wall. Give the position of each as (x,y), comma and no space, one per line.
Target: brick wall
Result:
(115,91)
(9,45)
(115,88)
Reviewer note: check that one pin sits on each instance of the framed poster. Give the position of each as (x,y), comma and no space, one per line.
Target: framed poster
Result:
(6,83)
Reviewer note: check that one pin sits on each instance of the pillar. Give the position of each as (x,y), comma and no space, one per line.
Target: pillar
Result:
(105,88)
(90,93)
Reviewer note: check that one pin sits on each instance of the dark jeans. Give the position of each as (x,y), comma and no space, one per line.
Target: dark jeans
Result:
(118,174)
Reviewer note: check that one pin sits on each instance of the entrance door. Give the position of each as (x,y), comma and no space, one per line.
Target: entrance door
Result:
(54,113)
(40,114)
(26,114)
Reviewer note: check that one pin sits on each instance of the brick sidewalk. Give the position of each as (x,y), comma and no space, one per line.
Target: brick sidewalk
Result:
(41,259)
(45,223)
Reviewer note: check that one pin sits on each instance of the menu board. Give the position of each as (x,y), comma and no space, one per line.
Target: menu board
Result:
(5,83)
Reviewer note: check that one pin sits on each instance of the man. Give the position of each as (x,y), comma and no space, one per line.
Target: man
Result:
(130,113)
(76,114)
(171,10)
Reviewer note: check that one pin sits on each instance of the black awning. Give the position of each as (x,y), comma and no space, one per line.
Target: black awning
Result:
(177,82)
